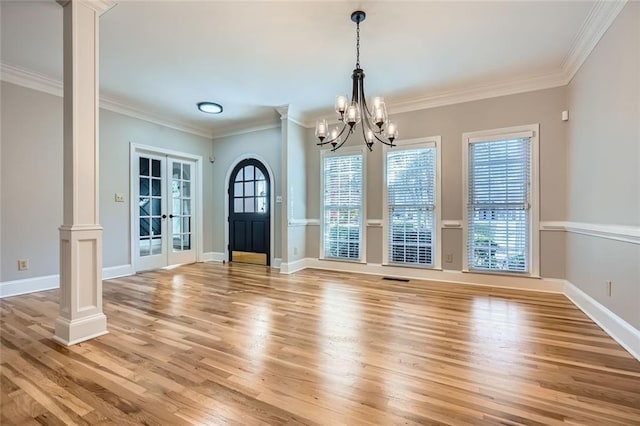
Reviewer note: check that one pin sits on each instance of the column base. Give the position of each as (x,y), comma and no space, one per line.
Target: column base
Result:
(75,331)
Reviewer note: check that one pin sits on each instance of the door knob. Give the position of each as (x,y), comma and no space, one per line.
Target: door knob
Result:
(164,216)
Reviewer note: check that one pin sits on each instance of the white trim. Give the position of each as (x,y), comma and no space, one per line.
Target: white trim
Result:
(620,330)
(599,19)
(130,111)
(425,142)
(451,224)
(30,79)
(117,271)
(245,127)
(277,263)
(363,221)
(272,203)
(291,267)
(549,285)
(29,285)
(529,130)
(213,256)
(304,222)
(617,328)
(51,282)
(627,234)
(136,148)
(42,83)
(595,25)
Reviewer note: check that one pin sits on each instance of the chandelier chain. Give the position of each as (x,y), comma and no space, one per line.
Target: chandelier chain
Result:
(358,45)
(374,123)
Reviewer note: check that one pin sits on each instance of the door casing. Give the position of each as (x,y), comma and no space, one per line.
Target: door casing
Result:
(272,204)
(198,201)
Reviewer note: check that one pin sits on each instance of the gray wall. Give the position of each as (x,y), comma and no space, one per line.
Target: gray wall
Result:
(263,144)
(450,122)
(32,180)
(117,131)
(603,174)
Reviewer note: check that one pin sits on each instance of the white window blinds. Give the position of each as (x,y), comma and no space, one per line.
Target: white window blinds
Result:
(411,195)
(342,206)
(498,204)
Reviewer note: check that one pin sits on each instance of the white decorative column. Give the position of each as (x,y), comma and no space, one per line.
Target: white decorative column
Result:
(81,316)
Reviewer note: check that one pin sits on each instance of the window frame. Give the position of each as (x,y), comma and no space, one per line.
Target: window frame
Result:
(344,152)
(407,144)
(529,130)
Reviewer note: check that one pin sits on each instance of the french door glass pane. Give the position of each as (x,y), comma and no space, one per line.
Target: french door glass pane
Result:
(181,206)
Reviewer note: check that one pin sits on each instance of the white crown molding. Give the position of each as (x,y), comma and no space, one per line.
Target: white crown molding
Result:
(40,82)
(100,6)
(477,93)
(30,80)
(598,21)
(245,127)
(627,234)
(124,109)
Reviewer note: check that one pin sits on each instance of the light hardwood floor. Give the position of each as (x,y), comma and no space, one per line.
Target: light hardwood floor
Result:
(240,344)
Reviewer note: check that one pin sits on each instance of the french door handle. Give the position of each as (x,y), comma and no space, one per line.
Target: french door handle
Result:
(170,216)
(164,216)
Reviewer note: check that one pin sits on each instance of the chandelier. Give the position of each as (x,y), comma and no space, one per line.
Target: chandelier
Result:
(375,121)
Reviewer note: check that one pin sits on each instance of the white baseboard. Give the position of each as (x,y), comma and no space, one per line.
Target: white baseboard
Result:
(117,271)
(29,285)
(291,267)
(50,282)
(620,330)
(213,256)
(277,263)
(550,285)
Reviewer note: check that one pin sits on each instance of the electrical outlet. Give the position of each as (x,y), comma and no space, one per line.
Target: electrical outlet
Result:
(448,258)
(295,250)
(23,264)
(609,288)
(119,197)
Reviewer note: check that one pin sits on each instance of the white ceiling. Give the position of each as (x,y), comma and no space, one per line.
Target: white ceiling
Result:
(162,57)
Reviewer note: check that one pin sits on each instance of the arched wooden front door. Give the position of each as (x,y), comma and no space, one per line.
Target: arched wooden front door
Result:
(249,213)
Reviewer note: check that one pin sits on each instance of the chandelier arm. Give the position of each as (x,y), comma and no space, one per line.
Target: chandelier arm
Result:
(328,141)
(364,98)
(364,138)
(375,135)
(335,148)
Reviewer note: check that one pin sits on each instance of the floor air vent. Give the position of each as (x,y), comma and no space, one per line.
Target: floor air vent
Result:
(404,280)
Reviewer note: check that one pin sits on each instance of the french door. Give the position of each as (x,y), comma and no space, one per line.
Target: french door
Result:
(164,225)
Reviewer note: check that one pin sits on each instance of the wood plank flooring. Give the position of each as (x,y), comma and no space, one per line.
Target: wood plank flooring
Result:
(241,344)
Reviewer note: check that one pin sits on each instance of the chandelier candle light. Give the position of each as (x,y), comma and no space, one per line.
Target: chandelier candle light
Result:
(375,121)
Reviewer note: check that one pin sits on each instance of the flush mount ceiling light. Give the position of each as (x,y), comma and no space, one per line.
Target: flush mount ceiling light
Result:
(210,107)
(375,121)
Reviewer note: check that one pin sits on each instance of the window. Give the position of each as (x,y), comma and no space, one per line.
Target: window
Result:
(411,194)
(343,203)
(250,191)
(501,199)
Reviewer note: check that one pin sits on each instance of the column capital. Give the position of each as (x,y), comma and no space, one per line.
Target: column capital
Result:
(100,6)
(283,111)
